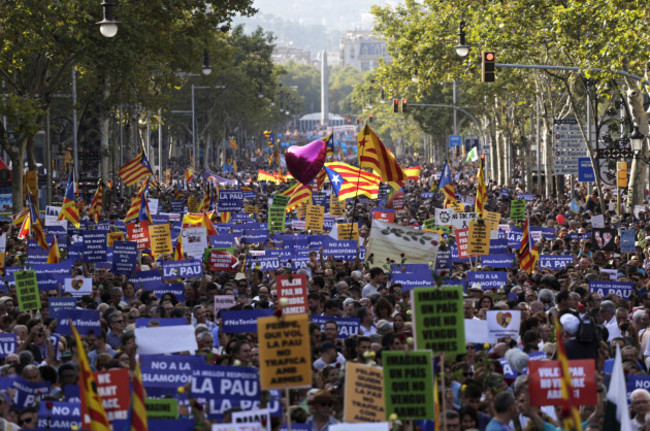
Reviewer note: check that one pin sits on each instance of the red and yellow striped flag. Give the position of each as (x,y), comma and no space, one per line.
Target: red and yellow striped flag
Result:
(135,169)
(178,250)
(528,254)
(570,414)
(373,154)
(88,390)
(54,255)
(97,203)
(481,192)
(412,173)
(138,411)
(300,195)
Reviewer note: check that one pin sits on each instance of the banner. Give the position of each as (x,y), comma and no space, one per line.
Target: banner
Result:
(411,281)
(622,289)
(503,324)
(348,326)
(294,288)
(343,250)
(546,385)
(408,384)
(364,393)
(147,280)
(28,394)
(388,241)
(195,240)
(499,261)
(55,304)
(163,374)
(554,262)
(181,269)
(478,239)
(385,215)
(242,321)
(488,279)
(8,344)
(230,201)
(176,339)
(125,257)
(438,320)
(161,239)
(285,353)
(27,290)
(113,387)
(58,415)
(86,321)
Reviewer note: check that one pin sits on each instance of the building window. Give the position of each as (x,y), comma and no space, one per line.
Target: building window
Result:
(365,65)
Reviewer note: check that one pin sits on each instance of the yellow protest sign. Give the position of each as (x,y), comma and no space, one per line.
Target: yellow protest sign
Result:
(492,219)
(314,218)
(479,239)
(337,208)
(285,352)
(192,204)
(111,237)
(459,207)
(301,211)
(364,393)
(347,231)
(161,239)
(251,210)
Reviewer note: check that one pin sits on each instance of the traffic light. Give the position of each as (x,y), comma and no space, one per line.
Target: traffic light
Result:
(395,106)
(489,66)
(370,118)
(404,105)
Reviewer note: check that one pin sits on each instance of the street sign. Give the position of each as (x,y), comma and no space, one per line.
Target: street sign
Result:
(585,170)
(471,141)
(568,146)
(455,141)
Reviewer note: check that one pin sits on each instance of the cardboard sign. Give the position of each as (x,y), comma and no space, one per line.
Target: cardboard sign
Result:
(438,320)
(111,237)
(161,239)
(347,231)
(139,233)
(192,204)
(281,200)
(388,241)
(113,388)
(337,208)
(250,209)
(364,393)
(443,216)
(479,239)
(384,215)
(195,240)
(503,324)
(518,210)
(285,352)
(294,288)
(277,218)
(27,290)
(546,382)
(259,416)
(314,218)
(408,384)
(491,219)
(161,408)
(462,238)
(221,260)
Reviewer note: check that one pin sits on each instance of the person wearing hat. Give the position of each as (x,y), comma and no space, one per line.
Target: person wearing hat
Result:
(320,407)
(576,349)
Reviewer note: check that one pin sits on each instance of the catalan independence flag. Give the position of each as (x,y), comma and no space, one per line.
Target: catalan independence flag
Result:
(349,182)
(528,254)
(137,411)
(481,192)
(34,222)
(69,209)
(570,415)
(300,195)
(136,203)
(374,155)
(88,389)
(136,169)
(446,184)
(329,144)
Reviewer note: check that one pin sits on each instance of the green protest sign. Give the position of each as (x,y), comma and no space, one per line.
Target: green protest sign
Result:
(280,200)
(408,384)
(27,290)
(161,408)
(438,322)
(277,218)
(518,210)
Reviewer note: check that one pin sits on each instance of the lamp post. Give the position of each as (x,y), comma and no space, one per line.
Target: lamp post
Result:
(462,49)
(194,149)
(108,26)
(206,69)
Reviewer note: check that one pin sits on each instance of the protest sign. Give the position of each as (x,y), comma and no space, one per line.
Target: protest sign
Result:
(259,416)
(250,210)
(408,384)
(598,220)
(622,289)
(462,238)
(230,201)
(554,262)
(143,322)
(387,241)
(343,250)
(294,288)
(386,215)
(517,209)
(60,303)
(438,319)
(500,261)
(348,326)
(373,426)
(285,354)
(86,321)
(221,260)
(604,239)
(503,324)
(27,290)
(78,286)
(476,331)
(223,240)
(8,344)
(58,415)
(163,374)
(125,257)
(314,218)
(276,218)
(281,200)
(413,280)
(337,208)
(479,239)
(628,239)
(177,339)
(638,381)
(161,408)
(347,231)
(181,269)
(488,279)
(94,246)
(192,204)
(139,233)
(491,219)
(460,220)
(546,382)
(364,393)
(223,302)
(147,280)
(443,216)
(160,239)
(195,240)
(28,394)
(113,388)
(111,237)
(248,426)
(242,321)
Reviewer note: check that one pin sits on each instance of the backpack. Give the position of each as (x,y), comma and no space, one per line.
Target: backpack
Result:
(588,331)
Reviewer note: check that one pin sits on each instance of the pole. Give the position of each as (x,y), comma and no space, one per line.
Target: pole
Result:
(48,157)
(160,151)
(539,146)
(121,146)
(454,101)
(193,132)
(75,126)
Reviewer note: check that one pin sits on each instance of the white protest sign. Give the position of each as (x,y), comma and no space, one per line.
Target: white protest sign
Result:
(443,216)
(253,426)
(388,241)
(51,214)
(476,331)
(195,240)
(153,206)
(259,416)
(598,221)
(461,220)
(363,426)
(176,339)
(503,324)
(78,286)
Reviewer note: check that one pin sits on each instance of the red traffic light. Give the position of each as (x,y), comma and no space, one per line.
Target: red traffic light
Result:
(489,56)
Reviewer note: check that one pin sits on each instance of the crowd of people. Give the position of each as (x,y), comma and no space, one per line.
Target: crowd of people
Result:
(475,389)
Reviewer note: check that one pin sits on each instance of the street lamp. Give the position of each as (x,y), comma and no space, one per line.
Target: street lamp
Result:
(636,141)
(462,49)
(108,26)
(206,69)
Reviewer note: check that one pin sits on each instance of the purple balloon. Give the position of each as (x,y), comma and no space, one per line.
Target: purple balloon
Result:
(305,162)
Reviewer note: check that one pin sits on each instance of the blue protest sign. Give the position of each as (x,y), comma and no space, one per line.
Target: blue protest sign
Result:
(499,261)
(227,168)
(177,206)
(28,393)
(86,321)
(125,257)
(181,269)
(266,262)
(175,288)
(58,415)
(159,218)
(498,246)
(230,201)
(249,194)
(505,193)
(36,255)
(427,195)
(637,381)
(455,141)
(547,233)
(147,280)
(316,241)
(554,262)
(241,217)
(142,322)
(254,236)
(528,197)
(72,393)
(58,303)
(586,172)
(171,424)
(628,240)
(508,371)
(94,246)
(514,237)
(242,321)
(167,373)
(348,326)
(412,280)
(444,260)
(343,250)
(223,240)
(8,344)
(49,275)
(488,279)
(622,289)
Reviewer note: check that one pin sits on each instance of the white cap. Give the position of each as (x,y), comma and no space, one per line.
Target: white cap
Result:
(570,323)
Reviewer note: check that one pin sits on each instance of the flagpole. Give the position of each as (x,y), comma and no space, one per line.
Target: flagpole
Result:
(356,196)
